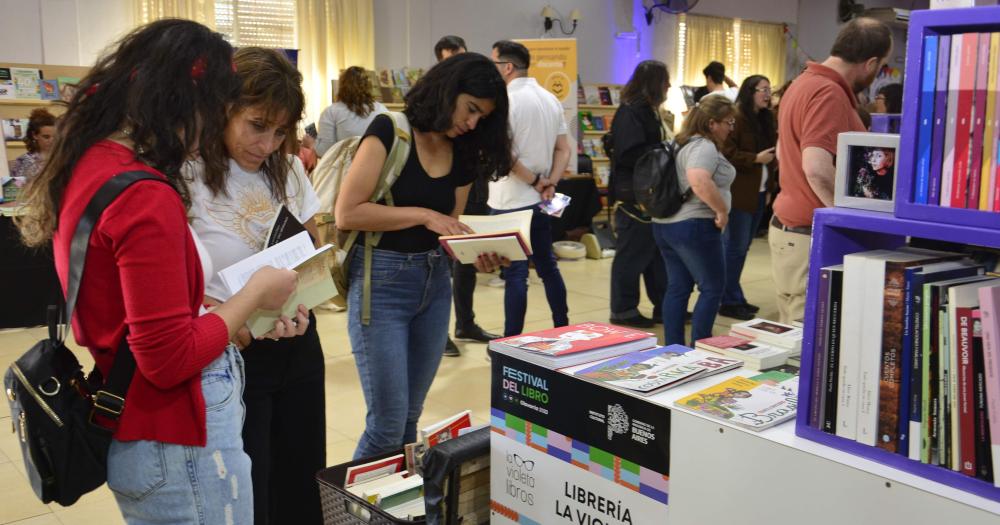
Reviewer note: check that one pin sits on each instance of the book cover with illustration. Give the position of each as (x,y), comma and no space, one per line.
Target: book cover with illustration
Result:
(755,355)
(751,404)
(574,344)
(771,332)
(647,372)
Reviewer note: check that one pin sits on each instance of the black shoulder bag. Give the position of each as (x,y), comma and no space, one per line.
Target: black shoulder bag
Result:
(52,403)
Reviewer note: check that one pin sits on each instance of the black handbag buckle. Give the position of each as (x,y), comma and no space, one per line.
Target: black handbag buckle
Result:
(108,404)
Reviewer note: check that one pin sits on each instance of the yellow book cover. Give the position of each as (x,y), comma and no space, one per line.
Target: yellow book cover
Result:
(992,117)
(746,402)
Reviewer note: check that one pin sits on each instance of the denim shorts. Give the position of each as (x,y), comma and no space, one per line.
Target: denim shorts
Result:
(155,482)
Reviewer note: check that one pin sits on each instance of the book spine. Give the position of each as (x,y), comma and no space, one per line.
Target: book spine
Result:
(833,351)
(870,361)
(989,308)
(990,136)
(917,406)
(926,127)
(816,403)
(963,129)
(932,367)
(949,386)
(850,352)
(948,163)
(940,120)
(888,409)
(965,398)
(979,121)
(905,411)
(984,463)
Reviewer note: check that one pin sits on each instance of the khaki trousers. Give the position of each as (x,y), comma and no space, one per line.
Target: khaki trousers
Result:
(789,269)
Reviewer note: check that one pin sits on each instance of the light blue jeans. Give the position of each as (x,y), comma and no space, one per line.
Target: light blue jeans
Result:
(158,483)
(398,352)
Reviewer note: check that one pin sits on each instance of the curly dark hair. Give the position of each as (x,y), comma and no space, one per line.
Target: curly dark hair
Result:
(430,106)
(761,121)
(647,84)
(271,83)
(355,91)
(168,83)
(39,118)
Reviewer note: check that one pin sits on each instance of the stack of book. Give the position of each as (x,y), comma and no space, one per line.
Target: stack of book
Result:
(755,355)
(905,357)
(389,486)
(958,133)
(651,371)
(771,333)
(601,95)
(574,344)
(755,403)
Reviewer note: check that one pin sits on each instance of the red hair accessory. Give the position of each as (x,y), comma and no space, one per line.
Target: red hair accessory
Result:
(132,74)
(92,89)
(198,68)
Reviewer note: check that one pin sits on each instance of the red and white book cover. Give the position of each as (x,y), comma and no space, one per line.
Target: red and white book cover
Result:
(448,429)
(375,469)
(575,338)
(963,128)
(966,400)
(989,311)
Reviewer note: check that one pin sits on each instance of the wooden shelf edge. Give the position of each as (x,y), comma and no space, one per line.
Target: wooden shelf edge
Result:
(25,102)
(595,106)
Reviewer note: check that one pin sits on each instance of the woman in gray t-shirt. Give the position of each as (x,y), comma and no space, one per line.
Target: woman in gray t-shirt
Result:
(691,240)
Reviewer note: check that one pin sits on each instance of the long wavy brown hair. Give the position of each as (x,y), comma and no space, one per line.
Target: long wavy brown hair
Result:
(168,83)
(39,118)
(355,91)
(271,83)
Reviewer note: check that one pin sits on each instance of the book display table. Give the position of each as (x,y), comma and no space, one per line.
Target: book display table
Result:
(566,450)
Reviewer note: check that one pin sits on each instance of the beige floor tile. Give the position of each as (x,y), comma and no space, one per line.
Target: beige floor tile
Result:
(461,383)
(17,501)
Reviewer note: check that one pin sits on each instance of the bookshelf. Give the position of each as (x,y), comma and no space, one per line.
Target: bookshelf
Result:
(922,24)
(21,108)
(837,232)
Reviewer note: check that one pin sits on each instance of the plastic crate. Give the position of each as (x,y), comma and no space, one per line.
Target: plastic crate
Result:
(343,508)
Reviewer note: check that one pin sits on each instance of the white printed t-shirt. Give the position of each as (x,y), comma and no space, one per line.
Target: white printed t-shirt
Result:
(233,226)
(536,120)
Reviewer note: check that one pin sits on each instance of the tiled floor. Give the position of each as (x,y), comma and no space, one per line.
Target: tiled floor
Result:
(461,382)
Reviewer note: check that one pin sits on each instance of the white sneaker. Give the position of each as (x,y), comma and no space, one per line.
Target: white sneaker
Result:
(496,282)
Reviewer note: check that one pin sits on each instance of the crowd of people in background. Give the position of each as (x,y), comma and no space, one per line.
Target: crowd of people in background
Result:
(482,137)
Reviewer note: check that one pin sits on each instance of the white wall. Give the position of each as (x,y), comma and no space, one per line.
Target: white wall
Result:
(60,32)
(406,30)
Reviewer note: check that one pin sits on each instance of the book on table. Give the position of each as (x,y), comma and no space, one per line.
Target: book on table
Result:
(507,235)
(769,332)
(755,403)
(651,371)
(574,344)
(754,354)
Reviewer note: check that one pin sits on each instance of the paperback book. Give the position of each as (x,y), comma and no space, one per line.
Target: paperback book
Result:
(746,402)
(755,355)
(574,344)
(654,370)
(507,235)
(770,332)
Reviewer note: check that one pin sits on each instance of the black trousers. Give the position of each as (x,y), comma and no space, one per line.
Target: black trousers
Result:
(285,429)
(636,255)
(463,285)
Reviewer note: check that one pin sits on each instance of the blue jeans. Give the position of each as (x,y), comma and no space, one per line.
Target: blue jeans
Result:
(398,352)
(515,297)
(156,482)
(636,255)
(692,252)
(737,238)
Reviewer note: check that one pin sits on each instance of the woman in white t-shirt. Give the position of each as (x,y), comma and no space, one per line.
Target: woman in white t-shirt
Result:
(232,209)
(351,114)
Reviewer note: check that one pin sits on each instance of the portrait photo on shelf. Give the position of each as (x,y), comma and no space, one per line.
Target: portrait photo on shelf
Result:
(866,171)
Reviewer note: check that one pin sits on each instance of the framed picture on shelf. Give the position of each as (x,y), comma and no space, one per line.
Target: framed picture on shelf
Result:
(866,171)
(14,129)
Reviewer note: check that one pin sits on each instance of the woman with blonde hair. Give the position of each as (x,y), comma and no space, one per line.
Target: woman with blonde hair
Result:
(351,114)
(691,240)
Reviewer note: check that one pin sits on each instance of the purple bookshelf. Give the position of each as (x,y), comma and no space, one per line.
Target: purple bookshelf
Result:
(837,232)
(923,23)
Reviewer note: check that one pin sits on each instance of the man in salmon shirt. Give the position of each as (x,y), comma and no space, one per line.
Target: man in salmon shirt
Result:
(819,105)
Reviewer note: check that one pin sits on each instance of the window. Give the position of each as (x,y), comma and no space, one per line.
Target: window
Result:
(265,23)
(745,47)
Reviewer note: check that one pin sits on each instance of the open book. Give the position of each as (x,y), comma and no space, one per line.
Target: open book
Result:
(508,235)
(296,253)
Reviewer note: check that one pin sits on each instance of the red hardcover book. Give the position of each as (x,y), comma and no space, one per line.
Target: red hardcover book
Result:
(966,393)
(963,122)
(447,429)
(979,121)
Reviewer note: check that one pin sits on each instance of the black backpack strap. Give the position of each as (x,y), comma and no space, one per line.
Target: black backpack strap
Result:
(109,401)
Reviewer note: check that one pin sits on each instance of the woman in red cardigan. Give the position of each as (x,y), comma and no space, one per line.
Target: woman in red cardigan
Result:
(148,105)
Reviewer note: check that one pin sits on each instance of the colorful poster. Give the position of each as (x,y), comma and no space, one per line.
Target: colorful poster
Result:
(553,65)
